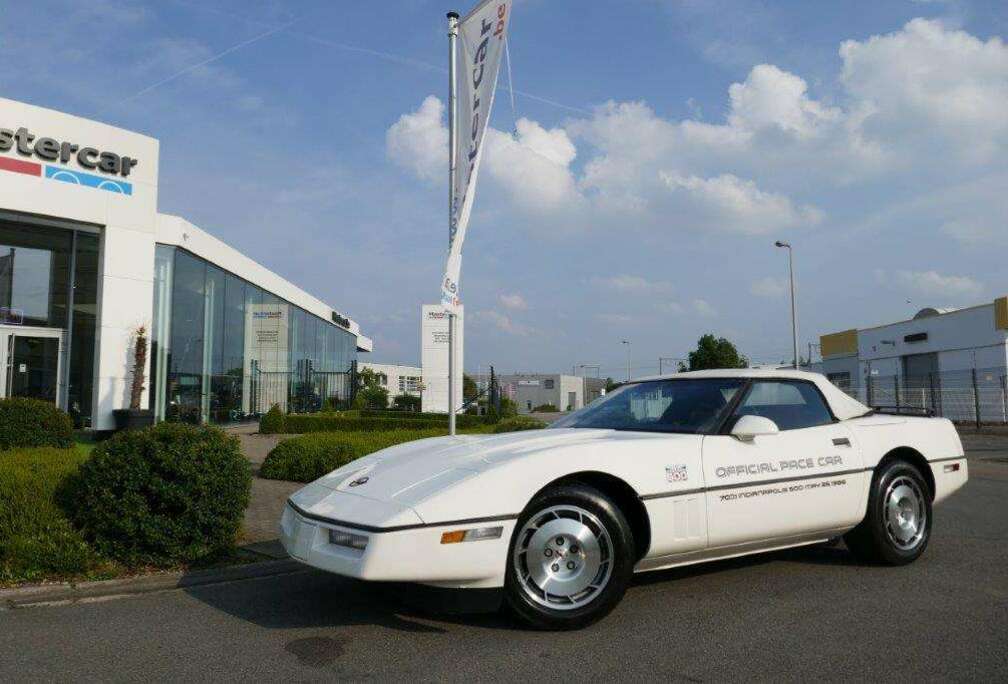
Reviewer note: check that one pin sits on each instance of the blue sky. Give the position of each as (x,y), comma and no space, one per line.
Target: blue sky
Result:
(661,148)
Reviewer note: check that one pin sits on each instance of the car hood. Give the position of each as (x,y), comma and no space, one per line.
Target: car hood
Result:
(408,473)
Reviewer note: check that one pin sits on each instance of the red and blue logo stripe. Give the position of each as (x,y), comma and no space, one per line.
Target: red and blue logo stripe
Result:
(87,180)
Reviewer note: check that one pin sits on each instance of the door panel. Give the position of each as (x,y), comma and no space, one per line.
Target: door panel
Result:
(32,367)
(788,484)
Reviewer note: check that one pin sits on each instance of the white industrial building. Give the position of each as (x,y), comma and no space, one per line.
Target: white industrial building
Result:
(954,361)
(529,390)
(397,379)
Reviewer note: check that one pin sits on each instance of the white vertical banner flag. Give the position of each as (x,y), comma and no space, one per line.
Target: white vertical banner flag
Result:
(479,52)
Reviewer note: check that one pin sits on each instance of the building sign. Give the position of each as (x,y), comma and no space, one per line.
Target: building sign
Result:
(341,321)
(434,356)
(60,153)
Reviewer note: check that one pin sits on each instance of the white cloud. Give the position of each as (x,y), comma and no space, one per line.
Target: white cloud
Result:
(914,112)
(932,85)
(732,204)
(513,301)
(504,323)
(704,308)
(768,287)
(631,284)
(418,141)
(937,284)
(775,99)
(973,231)
(534,168)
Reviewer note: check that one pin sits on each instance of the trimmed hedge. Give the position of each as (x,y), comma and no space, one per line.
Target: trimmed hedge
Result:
(518,423)
(322,422)
(33,423)
(37,540)
(166,495)
(309,457)
(461,420)
(273,422)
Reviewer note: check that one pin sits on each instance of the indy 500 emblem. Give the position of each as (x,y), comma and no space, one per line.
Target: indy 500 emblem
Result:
(676,473)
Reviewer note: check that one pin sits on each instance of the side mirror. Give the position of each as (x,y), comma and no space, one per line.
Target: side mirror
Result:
(748,428)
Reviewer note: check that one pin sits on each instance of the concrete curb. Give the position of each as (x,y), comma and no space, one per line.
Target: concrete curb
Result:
(84,592)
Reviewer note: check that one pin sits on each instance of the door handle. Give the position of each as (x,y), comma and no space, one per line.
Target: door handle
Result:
(841,441)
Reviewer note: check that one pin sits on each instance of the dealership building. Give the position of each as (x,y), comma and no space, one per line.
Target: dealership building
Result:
(86,260)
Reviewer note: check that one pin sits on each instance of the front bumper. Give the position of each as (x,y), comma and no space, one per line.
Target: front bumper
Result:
(414,554)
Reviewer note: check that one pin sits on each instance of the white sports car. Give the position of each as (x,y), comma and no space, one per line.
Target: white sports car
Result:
(660,472)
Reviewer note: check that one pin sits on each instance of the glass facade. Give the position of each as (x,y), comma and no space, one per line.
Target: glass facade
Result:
(223,349)
(38,264)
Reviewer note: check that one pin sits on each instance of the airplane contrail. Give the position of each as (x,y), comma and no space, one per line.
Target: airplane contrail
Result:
(209,60)
(388,56)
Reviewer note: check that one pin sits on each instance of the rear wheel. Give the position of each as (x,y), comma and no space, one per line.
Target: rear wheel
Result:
(897,526)
(571,559)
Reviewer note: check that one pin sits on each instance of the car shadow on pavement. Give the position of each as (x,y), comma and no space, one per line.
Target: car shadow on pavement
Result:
(819,554)
(314,599)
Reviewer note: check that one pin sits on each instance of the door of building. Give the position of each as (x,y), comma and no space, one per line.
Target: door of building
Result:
(31,359)
(921,381)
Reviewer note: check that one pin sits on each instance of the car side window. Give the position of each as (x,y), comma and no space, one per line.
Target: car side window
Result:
(791,405)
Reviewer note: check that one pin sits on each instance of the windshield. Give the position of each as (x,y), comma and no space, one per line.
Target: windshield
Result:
(691,406)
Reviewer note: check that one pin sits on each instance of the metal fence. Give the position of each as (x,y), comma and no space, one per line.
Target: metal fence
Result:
(977,395)
(304,390)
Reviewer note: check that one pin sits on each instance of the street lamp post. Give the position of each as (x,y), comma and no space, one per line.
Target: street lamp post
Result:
(794,315)
(627,343)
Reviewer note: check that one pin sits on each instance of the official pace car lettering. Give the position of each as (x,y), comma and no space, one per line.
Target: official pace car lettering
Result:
(792,465)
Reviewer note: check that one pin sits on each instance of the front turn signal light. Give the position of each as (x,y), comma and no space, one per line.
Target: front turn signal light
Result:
(475,534)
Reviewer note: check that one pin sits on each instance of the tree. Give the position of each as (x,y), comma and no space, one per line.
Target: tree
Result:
(374,397)
(714,352)
(610,385)
(469,390)
(406,402)
(368,378)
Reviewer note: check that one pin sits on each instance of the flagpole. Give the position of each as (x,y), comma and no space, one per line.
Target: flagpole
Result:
(453,18)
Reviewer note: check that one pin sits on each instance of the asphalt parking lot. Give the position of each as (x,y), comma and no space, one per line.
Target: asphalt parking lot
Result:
(792,615)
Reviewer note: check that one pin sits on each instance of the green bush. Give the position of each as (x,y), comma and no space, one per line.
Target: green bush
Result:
(273,422)
(545,408)
(374,397)
(167,495)
(37,541)
(323,422)
(33,423)
(518,423)
(309,457)
(461,421)
(406,402)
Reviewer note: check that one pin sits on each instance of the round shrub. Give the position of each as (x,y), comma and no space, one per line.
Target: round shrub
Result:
(274,422)
(518,423)
(306,458)
(167,495)
(33,423)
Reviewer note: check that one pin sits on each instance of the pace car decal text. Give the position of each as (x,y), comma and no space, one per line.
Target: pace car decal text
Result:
(789,489)
(791,465)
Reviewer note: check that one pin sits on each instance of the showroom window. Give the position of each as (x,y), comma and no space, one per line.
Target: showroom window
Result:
(224,350)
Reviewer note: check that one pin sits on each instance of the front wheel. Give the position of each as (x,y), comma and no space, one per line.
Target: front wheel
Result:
(897,526)
(571,559)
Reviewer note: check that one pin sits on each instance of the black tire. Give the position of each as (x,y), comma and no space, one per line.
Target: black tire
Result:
(879,538)
(523,597)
